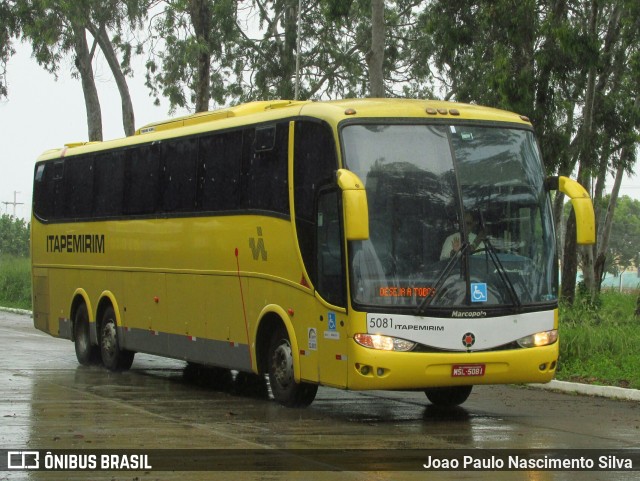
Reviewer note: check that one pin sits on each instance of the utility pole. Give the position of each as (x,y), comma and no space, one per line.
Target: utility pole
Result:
(14,203)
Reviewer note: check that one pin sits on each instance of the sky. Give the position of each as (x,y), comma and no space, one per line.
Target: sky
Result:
(42,113)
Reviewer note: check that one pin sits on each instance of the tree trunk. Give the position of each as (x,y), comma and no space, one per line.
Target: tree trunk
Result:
(606,229)
(128,118)
(91,100)
(569,261)
(375,58)
(587,151)
(286,87)
(558,220)
(200,13)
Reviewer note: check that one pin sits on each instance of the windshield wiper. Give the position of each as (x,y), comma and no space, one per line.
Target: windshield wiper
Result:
(442,278)
(502,273)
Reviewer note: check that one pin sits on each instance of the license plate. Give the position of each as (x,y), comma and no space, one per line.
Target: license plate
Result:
(466,370)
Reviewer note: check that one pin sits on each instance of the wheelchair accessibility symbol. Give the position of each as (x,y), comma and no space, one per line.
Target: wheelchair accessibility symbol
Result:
(332,321)
(478,292)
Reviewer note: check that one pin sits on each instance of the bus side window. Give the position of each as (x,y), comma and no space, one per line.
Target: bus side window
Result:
(142,180)
(108,172)
(219,162)
(179,163)
(265,156)
(330,282)
(314,165)
(46,195)
(78,187)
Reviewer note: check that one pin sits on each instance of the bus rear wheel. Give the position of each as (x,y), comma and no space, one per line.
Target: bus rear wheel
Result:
(114,358)
(448,396)
(284,388)
(86,353)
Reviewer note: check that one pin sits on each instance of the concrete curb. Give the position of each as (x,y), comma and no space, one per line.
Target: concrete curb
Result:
(17,311)
(611,392)
(560,386)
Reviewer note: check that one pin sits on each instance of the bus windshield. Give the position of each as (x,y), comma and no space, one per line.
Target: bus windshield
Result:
(459,218)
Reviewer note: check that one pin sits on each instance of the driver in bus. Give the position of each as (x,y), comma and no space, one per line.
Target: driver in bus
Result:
(453,243)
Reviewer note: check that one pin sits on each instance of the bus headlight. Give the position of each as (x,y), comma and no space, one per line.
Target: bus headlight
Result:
(539,339)
(384,343)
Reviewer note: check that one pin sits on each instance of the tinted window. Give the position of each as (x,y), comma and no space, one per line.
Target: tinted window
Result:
(219,171)
(265,170)
(78,186)
(226,171)
(43,191)
(142,180)
(330,282)
(179,158)
(108,171)
(314,165)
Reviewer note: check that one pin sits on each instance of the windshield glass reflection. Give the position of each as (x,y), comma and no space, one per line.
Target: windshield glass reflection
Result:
(458,217)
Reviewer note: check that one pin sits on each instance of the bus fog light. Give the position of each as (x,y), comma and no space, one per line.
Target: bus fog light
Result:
(539,339)
(383,343)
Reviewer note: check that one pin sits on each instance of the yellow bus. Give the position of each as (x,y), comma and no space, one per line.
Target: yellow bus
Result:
(360,244)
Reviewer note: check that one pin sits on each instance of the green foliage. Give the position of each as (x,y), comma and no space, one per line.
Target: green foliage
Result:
(15,282)
(253,45)
(623,246)
(598,343)
(7,31)
(14,236)
(15,265)
(192,47)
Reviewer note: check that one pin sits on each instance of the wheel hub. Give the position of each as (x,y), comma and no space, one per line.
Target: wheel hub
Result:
(109,338)
(283,364)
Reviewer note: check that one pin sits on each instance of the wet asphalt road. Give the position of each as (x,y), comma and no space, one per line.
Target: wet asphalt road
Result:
(50,402)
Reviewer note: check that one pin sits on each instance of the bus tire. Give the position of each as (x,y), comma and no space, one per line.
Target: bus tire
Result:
(87,354)
(448,396)
(113,358)
(284,388)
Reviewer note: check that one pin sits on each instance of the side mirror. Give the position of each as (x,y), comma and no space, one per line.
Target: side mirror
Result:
(582,207)
(356,208)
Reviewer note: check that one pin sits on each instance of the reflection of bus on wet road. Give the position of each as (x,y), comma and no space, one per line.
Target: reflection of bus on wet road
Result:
(303,240)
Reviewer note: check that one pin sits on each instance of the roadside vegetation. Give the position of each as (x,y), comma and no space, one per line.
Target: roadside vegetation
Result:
(15,282)
(599,340)
(15,279)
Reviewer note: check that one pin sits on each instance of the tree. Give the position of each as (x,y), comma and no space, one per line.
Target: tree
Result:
(7,32)
(255,50)
(14,236)
(375,57)
(623,248)
(192,52)
(113,16)
(561,63)
(56,29)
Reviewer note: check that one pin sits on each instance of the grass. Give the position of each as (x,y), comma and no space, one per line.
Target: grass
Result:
(598,340)
(15,282)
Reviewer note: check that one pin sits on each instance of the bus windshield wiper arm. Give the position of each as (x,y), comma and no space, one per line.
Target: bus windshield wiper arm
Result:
(442,278)
(502,273)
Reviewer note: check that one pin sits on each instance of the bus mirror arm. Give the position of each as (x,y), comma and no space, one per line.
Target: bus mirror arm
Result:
(582,206)
(355,206)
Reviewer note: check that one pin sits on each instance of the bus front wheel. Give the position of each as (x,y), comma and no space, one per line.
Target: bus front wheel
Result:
(86,353)
(114,358)
(283,385)
(448,396)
